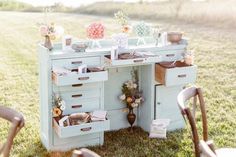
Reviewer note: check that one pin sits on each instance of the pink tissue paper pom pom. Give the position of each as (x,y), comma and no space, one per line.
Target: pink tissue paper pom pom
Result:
(44,30)
(95,31)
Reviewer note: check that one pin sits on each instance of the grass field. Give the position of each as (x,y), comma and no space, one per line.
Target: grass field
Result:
(211,12)
(215,55)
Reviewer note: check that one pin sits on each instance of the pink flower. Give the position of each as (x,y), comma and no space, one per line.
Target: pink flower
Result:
(43,30)
(95,31)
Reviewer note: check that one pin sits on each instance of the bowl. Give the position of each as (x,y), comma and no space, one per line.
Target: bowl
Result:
(174,37)
(79,47)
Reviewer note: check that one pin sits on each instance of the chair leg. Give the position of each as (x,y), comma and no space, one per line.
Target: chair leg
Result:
(11,135)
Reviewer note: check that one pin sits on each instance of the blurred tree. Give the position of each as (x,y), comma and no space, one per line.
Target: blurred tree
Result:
(178,6)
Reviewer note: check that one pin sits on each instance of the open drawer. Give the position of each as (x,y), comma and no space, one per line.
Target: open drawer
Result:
(133,61)
(82,129)
(175,74)
(75,78)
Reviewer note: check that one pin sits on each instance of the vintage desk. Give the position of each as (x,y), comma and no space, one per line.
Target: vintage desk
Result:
(100,90)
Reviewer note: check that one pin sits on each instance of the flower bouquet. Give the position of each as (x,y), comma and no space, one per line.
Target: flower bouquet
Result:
(141,30)
(59,107)
(50,32)
(122,19)
(132,97)
(121,40)
(95,31)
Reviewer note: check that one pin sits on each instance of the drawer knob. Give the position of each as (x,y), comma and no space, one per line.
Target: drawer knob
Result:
(77,85)
(170,55)
(181,76)
(86,129)
(76,95)
(158,103)
(76,106)
(76,62)
(138,60)
(83,78)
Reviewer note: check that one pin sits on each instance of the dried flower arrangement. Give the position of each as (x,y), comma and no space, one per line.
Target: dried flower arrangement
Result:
(131,95)
(123,20)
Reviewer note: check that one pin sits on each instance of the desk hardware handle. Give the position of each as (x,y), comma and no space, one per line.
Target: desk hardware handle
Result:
(76,62)
(158,103)
(76,95)
(183,75)
(86,129)
(76,106)
(74,70)
(170,55)
(83,78)
(77,85)
(138,60)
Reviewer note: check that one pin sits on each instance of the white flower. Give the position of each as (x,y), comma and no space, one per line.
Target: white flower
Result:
(138,101)
(59,31)
(134,105)
(122,97)
(63,105)
(131,85)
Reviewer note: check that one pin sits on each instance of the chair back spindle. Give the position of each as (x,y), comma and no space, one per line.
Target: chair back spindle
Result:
(190,113)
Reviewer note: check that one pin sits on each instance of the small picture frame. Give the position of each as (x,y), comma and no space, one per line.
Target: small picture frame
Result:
(82,69)
(67,43)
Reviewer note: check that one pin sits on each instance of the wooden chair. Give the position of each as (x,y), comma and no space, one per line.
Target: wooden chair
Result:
(204,147)
(17,121)
(83,152)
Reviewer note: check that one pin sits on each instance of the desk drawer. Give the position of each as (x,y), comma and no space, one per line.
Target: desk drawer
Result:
(135,61)
(73,63)
(75,78)
(175,76)
(80,95)
(77,87)
(83,105)
(82,129)
(171,56)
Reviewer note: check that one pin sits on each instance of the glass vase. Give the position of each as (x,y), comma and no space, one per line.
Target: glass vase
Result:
(48,43)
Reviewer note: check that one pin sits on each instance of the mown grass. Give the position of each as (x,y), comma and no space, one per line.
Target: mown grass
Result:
(215,55)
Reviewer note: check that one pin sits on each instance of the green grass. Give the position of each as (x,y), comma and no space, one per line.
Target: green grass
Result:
(215,55)
(13,5)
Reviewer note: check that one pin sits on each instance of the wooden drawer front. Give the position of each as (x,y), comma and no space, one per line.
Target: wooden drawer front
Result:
(136,61)
(75,78)
(77,87)
(81,95)
(171,56)
(82,129)
(83,105)
(75,62)
(176,76)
